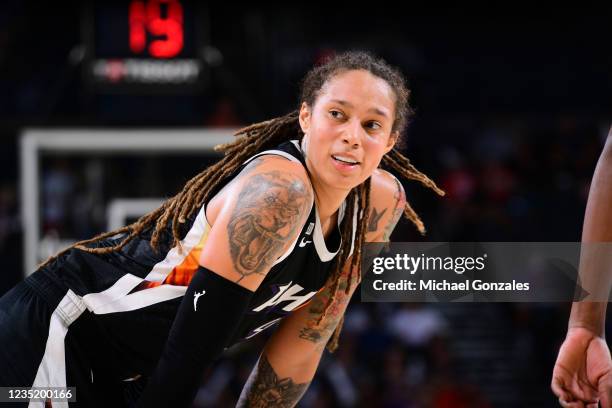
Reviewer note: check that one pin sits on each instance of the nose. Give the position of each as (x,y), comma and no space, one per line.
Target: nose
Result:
(352,134)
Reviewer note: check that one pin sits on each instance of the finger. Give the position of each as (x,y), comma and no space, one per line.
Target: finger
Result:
(606,397)
(605,392)
(558,388)
(593,405)
(570,404)
(583,391)
(588,397)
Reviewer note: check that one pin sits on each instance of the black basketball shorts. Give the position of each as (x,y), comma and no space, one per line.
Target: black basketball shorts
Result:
(48,339)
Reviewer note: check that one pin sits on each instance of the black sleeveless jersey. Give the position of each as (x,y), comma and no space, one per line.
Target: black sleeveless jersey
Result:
(133,294)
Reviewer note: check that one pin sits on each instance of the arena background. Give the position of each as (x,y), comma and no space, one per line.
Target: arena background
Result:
(511,113)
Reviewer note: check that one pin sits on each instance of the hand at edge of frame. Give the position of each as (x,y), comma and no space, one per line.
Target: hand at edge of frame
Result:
(582,375)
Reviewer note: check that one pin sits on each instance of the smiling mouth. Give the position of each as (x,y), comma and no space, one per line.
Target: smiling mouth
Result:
(349,162)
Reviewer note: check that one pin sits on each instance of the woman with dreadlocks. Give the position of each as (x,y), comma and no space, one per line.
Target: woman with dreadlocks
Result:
(271,233)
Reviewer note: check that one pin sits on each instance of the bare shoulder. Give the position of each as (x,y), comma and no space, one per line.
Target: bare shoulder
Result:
(387,202)
(292,173)
(258,216)
(273,186)
(262,172)
(386,188)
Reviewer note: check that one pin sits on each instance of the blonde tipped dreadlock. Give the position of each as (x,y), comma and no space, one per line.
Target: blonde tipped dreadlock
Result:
(264,135)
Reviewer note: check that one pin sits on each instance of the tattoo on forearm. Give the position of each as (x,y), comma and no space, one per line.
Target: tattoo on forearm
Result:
(321,333)
(375,216)
(400,203)
(266,216)
(265,389)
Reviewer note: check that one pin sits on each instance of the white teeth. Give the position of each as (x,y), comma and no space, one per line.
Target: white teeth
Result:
(345,159)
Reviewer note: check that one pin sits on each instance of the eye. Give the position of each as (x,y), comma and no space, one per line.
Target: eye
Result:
(336,114)
(373,125)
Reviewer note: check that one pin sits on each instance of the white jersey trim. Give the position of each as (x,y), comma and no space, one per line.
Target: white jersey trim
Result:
(52,369)
(98,301)
(143,298)
(117,298)
(162,269)
(276,152)
(319,239)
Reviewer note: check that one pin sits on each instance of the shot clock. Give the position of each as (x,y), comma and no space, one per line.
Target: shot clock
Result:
(144,45)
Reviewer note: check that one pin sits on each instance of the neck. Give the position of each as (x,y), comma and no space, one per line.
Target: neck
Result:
(327,204)
(327,199)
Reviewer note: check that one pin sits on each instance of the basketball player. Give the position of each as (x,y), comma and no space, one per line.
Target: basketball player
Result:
(582,375)
(271,234)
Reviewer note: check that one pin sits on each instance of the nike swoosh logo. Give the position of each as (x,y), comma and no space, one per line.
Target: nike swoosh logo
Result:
(303,244)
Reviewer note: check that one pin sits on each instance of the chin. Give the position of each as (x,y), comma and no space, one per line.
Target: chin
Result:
(347,184)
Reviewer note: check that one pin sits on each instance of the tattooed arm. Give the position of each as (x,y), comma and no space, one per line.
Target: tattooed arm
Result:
(290,358)
(259,214)
(387,202)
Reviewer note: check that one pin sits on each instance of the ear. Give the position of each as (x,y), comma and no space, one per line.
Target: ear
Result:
(304,117)
(393,137)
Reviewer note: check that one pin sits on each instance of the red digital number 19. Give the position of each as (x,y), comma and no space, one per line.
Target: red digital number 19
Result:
(147,17)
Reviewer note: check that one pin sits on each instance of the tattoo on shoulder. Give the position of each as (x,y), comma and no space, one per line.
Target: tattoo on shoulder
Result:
(265,389)
(375,217)
(266,216)
(400,203)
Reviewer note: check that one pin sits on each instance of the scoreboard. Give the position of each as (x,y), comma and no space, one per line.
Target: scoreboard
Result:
(144,45)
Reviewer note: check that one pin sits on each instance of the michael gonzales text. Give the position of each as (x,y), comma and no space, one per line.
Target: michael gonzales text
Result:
(444,285)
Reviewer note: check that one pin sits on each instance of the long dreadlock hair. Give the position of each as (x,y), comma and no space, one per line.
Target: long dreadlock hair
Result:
(264,135)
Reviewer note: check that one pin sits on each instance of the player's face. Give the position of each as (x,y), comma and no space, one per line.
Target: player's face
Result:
(349,128)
